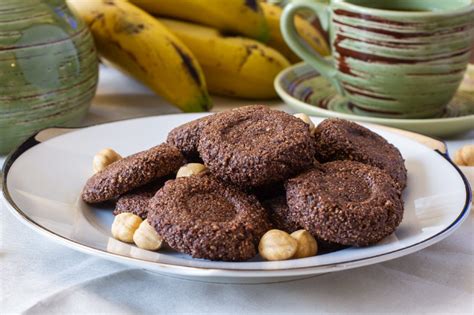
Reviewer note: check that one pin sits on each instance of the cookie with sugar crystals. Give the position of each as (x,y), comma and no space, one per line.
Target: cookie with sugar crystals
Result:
(253,147)
(206,218)
(131,172)
(338,139)
(345,202)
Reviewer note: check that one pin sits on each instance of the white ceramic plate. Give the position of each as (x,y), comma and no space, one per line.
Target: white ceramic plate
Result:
(43,180)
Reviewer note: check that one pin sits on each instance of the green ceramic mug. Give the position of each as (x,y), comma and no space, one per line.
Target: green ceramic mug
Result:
(397,58)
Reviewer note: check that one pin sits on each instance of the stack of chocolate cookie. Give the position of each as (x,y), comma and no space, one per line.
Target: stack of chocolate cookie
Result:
(265,169)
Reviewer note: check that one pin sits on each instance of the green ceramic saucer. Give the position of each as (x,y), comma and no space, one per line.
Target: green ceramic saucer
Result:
(306,91)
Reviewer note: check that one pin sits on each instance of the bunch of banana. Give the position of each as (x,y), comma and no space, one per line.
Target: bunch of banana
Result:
(243,17)
(308,32)
(233,66)
(140,45)
(177,58)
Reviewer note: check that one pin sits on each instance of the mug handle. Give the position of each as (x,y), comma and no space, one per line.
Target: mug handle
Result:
(295,42)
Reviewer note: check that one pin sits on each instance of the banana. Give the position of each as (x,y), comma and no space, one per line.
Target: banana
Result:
(243,17)
(233,66)
(141,46)
(308,32)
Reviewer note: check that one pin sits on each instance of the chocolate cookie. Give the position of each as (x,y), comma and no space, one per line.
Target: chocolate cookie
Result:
(280,218)
(131,172)
(278,213)
(186,137)
(136,201)
(338,139)
(205,218)
(256,146)
(345,202)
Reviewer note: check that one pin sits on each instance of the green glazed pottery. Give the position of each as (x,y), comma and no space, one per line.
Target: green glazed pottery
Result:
(397,58)
(306,91)
(48,68)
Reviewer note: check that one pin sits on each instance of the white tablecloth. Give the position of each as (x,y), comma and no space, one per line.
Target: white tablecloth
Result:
(38,276)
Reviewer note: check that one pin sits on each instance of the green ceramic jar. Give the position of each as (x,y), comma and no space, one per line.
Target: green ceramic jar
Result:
(48,68)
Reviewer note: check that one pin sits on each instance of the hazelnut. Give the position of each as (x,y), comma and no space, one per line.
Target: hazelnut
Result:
(190,169)
(307,120)
(464,156)
(146,237)
(307,245)
(104,158)
(277,245)
(457,159)
(124,226)
(467,154)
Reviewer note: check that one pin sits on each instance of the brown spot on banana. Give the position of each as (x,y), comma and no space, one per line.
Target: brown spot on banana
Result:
(188,63)
(126,23)
(127,27)
(252,4)
(248,52)
(316,39)
(250,49)
(130,55)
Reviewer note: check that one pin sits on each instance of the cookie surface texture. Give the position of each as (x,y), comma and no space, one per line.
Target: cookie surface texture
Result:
(206,218)
(338,139)
(131,172)
(256,146)
(345,202)
(186,137)
(136,201)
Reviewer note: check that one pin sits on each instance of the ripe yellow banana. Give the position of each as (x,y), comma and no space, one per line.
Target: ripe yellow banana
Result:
(233,66)
(308,32)
(139,45)
(244,17)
